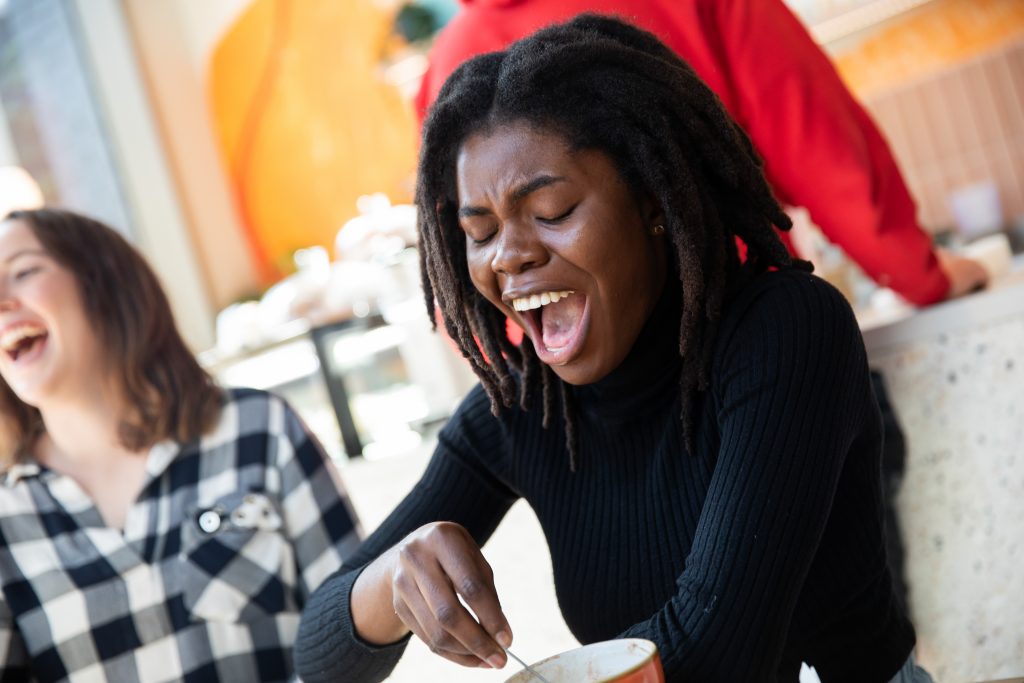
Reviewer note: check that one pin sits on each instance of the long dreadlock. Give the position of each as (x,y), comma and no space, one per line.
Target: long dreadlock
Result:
(602,84)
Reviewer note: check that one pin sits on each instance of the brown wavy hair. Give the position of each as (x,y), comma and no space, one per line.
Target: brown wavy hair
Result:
(169,394)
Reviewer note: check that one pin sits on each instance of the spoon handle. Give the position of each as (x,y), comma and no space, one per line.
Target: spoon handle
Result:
(530,669)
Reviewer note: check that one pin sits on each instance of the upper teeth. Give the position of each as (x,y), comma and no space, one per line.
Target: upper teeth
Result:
(528,303)
(14,336)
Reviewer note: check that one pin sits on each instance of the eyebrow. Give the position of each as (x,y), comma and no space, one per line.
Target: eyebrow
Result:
(23,252)
(518,194)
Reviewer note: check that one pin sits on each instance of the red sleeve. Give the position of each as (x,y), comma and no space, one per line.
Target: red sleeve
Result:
(465,36)
(486,26)
(821,149)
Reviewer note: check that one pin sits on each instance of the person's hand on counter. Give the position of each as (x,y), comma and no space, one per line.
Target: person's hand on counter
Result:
(965,275)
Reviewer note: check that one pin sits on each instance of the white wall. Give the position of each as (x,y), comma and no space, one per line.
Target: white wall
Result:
(173,44)
(159,224)
(7,155)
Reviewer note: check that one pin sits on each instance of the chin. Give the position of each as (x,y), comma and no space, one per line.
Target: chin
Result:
(576,375)
(33,394)
(28,397)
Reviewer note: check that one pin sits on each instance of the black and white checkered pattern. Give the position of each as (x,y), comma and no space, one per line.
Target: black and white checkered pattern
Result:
(206,583)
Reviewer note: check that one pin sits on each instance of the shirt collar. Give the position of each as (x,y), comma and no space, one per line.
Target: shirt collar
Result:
(159,457)
(19,471)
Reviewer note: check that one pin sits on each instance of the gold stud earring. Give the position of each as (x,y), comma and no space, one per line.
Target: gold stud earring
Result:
(658,229)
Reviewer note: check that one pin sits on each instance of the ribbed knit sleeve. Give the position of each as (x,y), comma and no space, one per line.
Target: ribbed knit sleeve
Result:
(458,486)
(789,385)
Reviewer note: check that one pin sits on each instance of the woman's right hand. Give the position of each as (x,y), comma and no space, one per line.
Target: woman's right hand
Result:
(415,586)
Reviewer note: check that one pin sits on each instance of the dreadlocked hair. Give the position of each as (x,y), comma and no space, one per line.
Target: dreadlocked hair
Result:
(601,84)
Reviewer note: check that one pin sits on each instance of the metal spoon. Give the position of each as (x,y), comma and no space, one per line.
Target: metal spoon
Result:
(527,667)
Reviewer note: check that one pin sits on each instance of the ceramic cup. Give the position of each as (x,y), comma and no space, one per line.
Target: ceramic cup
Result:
(630,660)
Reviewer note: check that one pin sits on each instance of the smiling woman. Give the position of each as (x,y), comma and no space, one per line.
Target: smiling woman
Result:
(696,432)
(69,329)
(153,526)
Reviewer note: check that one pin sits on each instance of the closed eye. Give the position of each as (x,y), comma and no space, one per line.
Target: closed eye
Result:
(484,240)
(559,218)
(26,272)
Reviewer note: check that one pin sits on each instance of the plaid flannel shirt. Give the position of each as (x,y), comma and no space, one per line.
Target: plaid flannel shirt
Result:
(229,536)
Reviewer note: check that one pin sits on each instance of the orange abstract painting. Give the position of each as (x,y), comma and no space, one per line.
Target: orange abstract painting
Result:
(306,121)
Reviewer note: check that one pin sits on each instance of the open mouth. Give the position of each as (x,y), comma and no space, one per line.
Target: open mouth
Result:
(556,323)
(24,342)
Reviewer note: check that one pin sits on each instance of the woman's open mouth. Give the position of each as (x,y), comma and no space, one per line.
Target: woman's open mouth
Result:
(24,343)
(556,322)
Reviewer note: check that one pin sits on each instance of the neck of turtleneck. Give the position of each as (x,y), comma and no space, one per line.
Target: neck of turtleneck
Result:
(649,374)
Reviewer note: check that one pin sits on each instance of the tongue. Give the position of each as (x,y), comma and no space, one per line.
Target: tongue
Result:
(560,320)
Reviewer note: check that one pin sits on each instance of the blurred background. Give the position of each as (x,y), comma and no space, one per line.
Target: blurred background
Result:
(261,153)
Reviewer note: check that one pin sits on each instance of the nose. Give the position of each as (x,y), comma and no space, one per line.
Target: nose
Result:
(8,303)
(517,250)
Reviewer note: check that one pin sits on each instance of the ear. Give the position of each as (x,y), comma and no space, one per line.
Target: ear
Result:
(650,209)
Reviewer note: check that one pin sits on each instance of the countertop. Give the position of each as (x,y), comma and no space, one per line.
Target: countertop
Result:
(1003,298)
(953,371)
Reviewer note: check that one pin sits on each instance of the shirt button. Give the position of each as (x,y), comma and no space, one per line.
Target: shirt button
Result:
(240,517)
(209,521)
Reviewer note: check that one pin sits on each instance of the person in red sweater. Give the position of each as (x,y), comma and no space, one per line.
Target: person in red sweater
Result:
(820,148)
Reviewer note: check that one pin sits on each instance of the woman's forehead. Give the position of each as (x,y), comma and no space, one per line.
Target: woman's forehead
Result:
(17,237)
(516,140)
(501,160)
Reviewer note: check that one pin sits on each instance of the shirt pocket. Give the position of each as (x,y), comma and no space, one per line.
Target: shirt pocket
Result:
(238,566)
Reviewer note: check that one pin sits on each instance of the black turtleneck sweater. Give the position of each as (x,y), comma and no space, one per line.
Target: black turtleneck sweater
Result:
(760,550)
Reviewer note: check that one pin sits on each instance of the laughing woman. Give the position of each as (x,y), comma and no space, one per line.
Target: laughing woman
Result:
(153,527)
(695,432)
